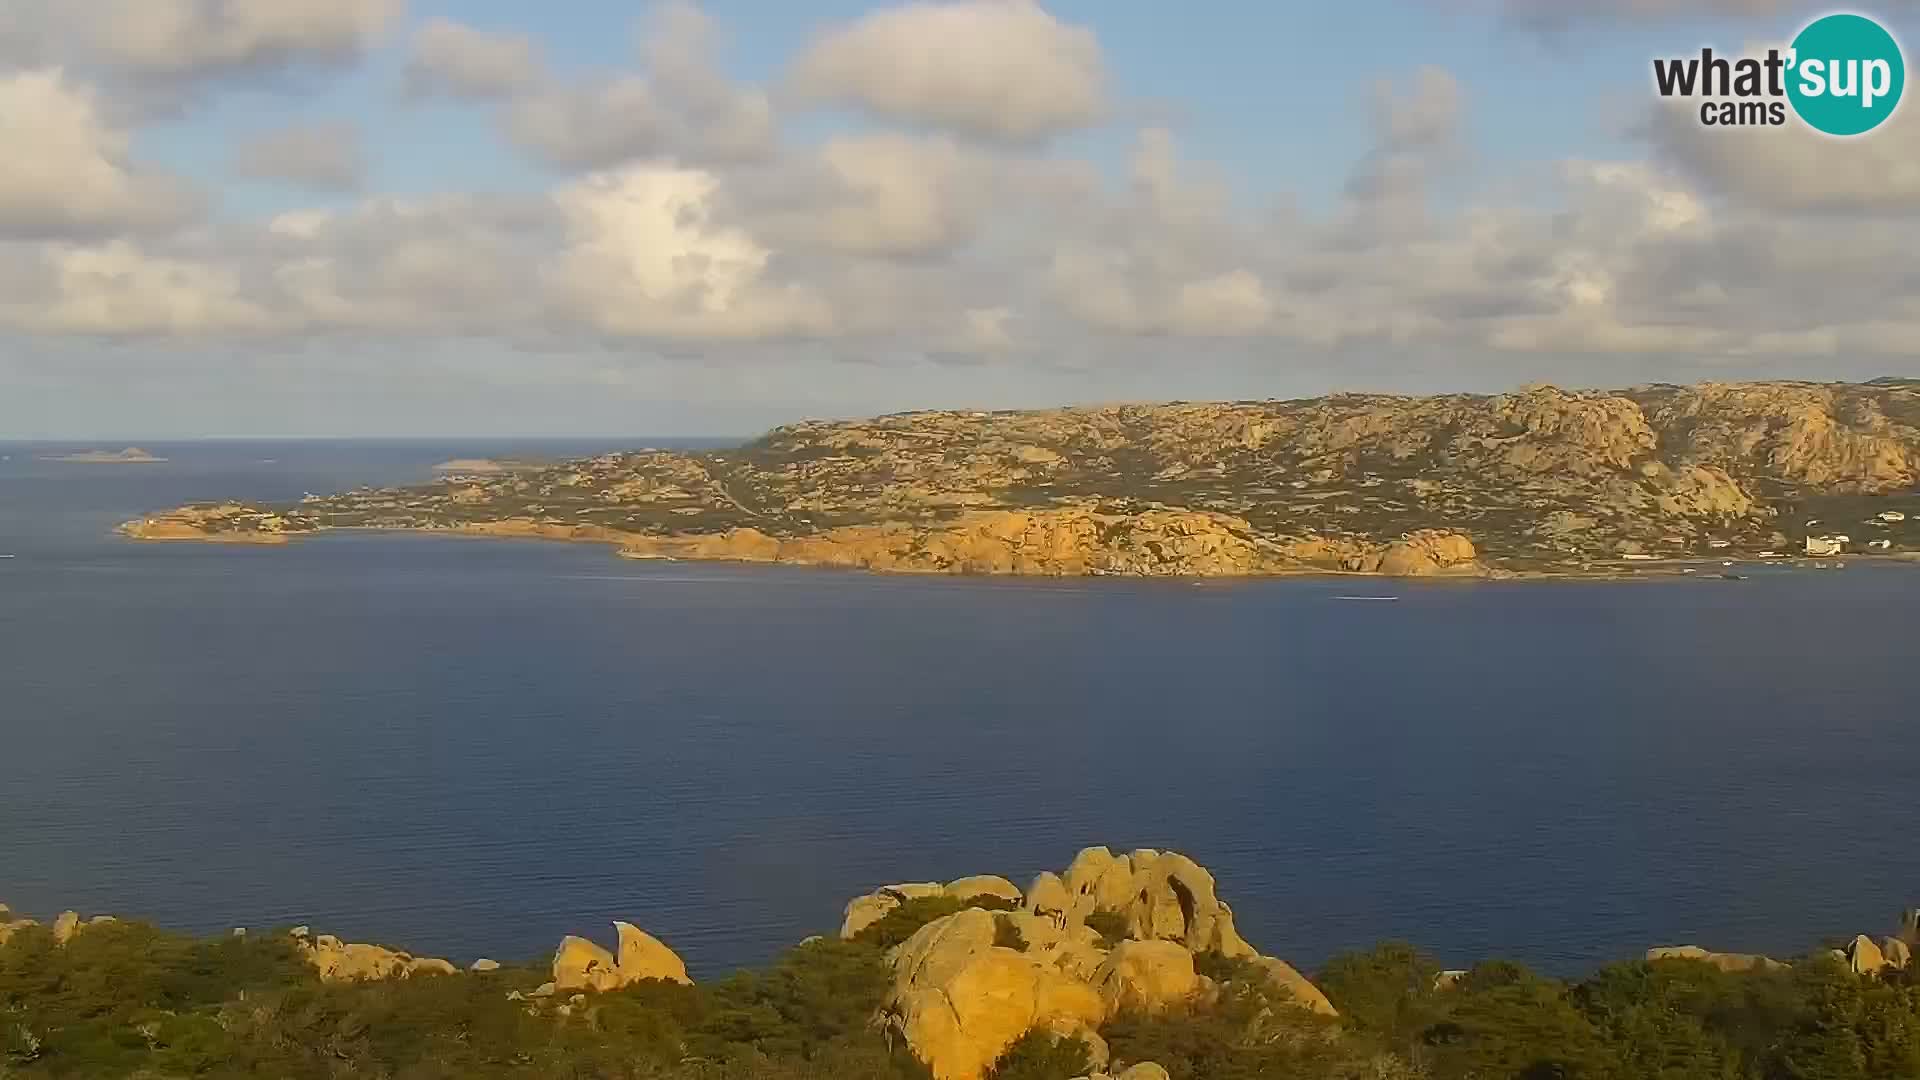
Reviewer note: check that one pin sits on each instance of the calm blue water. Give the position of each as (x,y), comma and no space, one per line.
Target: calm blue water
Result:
(472,747)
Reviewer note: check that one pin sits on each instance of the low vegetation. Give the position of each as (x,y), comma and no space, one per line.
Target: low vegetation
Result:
(127,1000)
(899,924)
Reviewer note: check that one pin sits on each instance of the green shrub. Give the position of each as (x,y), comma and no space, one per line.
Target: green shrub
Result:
(1523,1027)
(1387,990)
(814,994)
(900,924)
(1247,1035)
(1230,969)
(1111,926)
(1041,1055)
(1007,936)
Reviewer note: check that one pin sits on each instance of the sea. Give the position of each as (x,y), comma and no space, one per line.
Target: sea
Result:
(471,747)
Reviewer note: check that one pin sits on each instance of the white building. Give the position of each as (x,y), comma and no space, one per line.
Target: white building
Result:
(1822,546)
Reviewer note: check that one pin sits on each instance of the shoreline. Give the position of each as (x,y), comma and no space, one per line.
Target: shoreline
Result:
(629,546)
(575,534)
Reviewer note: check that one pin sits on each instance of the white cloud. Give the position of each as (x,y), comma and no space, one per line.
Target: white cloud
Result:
(880,245)
(986,330)
(590,125)
(1167,186)
(1226,305)
(117,290)
(718,119)
(681,107)
(1000,69)
(67,169)
(1116,292)
(460,61)
(906,196)
(1795,167)
(445,264)
(323,157)
(187,38)
(646,259)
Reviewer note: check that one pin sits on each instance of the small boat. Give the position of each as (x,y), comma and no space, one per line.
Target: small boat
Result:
(6,556)
(1733,577)
(1366,598)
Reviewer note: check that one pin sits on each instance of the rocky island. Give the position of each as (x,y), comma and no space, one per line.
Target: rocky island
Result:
(485,466)
(1541,480)
(1122,966)
(132,455)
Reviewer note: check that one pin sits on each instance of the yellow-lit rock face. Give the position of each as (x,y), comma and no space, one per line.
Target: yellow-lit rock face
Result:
(961,1001)
(1722,960)
(967,888)
(580,964)
(1147,976)
(1284,976)
(643,956)
(339,961)
(960,996)
(1865,957)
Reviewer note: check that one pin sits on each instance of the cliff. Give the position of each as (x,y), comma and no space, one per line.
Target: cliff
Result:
(1537,480)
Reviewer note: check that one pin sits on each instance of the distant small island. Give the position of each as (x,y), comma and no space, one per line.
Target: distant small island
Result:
(487,466)
(1538,482)
(132,455)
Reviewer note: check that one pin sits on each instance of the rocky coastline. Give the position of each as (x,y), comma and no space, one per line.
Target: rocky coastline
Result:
(1539,482)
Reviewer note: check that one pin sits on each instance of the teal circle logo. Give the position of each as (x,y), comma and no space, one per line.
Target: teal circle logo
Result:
(1847,74)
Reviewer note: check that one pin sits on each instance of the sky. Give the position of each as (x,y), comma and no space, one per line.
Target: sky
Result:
(620,217)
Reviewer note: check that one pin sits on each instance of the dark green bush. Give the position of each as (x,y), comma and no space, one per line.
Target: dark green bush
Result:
(1246,1034)
(899,924)
(1111,927)
(1224,969)
(1041,1055)
(813,995)
(1522,1027)
(1388,990)
(1007,936)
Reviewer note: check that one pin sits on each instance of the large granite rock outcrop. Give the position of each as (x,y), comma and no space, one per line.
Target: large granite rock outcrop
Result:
(580,964)
(341,961)
(1722,960)
(967,985)
(960,1000)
